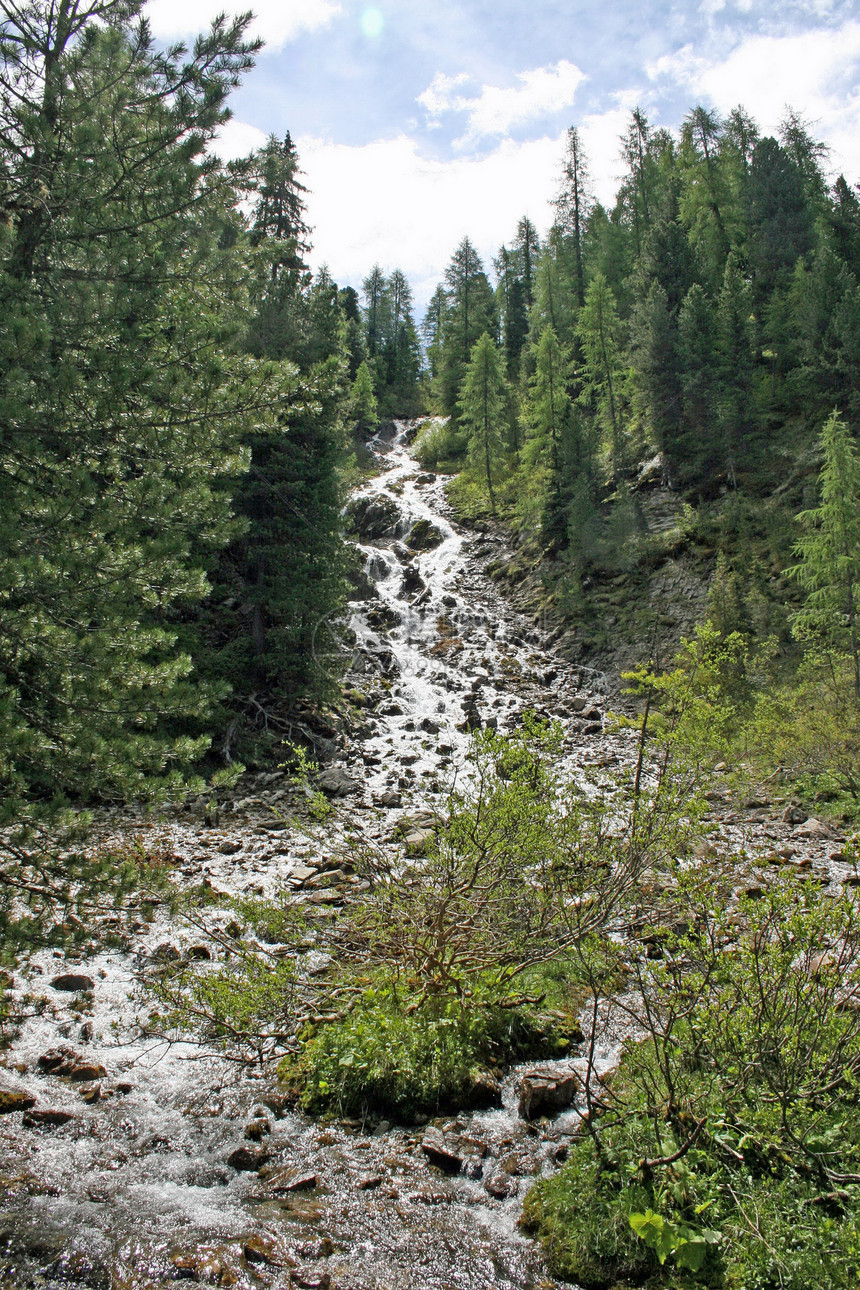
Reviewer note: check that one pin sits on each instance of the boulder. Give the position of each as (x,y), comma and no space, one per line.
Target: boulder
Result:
(15,1100)
(424,536)
(285,1179)
(335,782)
(47,1119)
(501,1185)
(73,982)
(441,1152)
(373,517)
(248,1159)
(68,1064)
(546,1092)
(265,1250)
(485,1091)
(816,831)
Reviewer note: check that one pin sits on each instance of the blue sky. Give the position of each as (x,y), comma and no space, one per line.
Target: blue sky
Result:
(421,121)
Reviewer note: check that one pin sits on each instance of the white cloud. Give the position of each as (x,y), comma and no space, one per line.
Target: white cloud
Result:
(495,110)
(385,203)
(237,139)
(277,21)
(816,73)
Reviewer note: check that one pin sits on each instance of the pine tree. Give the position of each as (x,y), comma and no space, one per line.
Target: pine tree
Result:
(363,407)
(122,396)
(285,575)
(483,402)
(697,364)
(704,194)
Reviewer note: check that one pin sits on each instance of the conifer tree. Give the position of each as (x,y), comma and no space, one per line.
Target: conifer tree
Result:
(573,204)
(829,552)
(599,333)
(483,401)
(470,312)
(122,396)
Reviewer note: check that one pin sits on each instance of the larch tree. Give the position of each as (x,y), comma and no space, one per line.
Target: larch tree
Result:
(599,333)
(470,312)
(483,402)
(829,551)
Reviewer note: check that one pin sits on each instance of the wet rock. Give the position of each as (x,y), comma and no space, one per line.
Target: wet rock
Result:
(369,1182)
(546,1092)
(230,848)
(424,536)
(70,1065)
(265,1250)
(412,581)
(485,1091)
(73,982)
(373,517)
(205,1266)
(12,1100)
(311,1279)
(248,1159)
(92,1094)
(257,1130)
(501,1185)
(441,1152)
(284,1180)
(335,782)
(390,799)
(360,585)
(47,1119)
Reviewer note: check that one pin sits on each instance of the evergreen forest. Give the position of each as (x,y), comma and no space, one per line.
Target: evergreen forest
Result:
(664,391)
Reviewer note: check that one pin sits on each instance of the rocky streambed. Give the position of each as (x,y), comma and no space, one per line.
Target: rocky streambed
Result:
(127,1162)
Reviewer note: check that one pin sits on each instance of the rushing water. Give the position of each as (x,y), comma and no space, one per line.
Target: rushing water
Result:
(134,1190)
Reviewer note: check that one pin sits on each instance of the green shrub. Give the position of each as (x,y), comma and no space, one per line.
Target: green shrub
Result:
(729,1136)
(393,1057)
(441,444)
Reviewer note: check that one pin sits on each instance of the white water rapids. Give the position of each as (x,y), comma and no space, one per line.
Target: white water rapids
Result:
(134,1189)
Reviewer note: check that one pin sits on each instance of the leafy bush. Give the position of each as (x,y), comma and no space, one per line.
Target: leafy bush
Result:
(728,1141)
(391,1056)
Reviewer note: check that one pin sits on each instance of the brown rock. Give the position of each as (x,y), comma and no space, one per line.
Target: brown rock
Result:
(262,1249)
(546,1092)
(70,1065)
(311,1279)
(248,1159)
(46,1119)
(257,1129)
(15,1100)
(208,1267)
(369,1182)
(286,1180)
(501,1185)
(441,1153)
(73,982)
